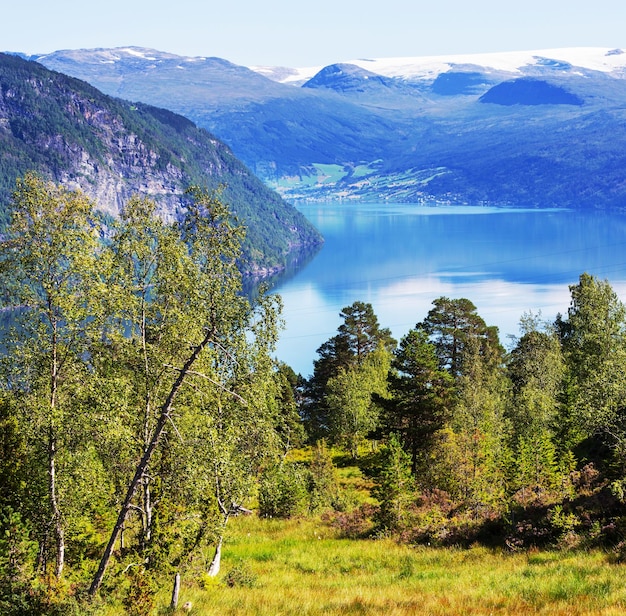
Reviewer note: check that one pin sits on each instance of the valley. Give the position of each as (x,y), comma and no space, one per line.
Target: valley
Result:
(171,442)
(525,129)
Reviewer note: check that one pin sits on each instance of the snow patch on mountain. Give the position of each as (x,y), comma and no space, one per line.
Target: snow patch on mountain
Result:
(601,59)
(113,55)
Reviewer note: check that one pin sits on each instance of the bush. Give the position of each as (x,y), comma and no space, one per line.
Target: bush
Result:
(240,576)
(18,594)
(355,524)
(140,598)
(323,486)
(283,491)
(395,487)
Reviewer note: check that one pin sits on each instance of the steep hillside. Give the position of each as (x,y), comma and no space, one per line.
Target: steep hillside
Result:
(71,132)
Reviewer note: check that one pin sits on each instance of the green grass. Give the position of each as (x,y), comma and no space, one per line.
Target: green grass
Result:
(300,567)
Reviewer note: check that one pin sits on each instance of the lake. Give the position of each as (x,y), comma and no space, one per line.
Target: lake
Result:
(402,257)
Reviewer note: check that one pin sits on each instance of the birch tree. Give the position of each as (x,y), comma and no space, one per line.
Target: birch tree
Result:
(193,338)
(594,345)
(52,279)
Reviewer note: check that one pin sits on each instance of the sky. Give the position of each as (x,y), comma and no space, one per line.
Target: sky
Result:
(314,32)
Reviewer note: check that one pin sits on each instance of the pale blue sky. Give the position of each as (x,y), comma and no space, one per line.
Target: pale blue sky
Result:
(312,32)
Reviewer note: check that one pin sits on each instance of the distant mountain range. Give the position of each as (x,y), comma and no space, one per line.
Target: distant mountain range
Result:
(69,131)
(536,128)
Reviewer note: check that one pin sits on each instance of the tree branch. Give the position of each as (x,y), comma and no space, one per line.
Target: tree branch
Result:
(216,383)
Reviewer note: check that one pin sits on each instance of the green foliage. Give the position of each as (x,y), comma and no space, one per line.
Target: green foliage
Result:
(17,550)
(352,413)
(289,425)
(361,349)
(594,342)
(394,485)
(48,265)
(240,576)
(139,600)
(564,523)
(481,433)
(122,348)
(141,400)
(536,369)
(420,397)
(460,334)
(323,486)
(283,491)
(14,463)
(361,331)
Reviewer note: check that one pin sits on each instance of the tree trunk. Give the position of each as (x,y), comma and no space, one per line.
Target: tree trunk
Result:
(143,463)
(175,591)
(146,517)
(214,569)
(57,520)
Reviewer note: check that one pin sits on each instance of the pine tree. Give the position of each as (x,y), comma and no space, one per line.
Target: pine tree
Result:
(420,397)
(360,335)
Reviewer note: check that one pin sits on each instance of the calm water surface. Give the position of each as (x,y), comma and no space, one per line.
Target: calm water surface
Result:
(402,257)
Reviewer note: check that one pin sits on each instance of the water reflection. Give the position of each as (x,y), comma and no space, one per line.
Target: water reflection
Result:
(296,261)
(400,258)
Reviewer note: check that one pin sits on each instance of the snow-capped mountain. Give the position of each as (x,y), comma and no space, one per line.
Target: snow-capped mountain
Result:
(428,68)
(540,127)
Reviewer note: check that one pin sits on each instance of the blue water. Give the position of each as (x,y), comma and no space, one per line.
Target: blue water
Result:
(402,257)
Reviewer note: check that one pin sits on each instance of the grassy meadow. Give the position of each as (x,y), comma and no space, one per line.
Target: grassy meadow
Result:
(300,566)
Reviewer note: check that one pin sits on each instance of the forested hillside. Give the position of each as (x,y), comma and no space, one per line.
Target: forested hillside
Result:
(70,132)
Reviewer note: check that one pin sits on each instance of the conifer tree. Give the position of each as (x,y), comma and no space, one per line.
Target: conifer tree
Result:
(394,485)
(360,335)
(420,396)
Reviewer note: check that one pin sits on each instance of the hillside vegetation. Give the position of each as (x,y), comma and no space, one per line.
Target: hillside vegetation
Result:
(68,131)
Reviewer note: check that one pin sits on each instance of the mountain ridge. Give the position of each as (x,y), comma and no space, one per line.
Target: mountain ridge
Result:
(436,128)
(603,59)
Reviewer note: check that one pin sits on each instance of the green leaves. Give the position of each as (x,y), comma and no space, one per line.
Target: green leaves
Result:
(137,373)
(594,343)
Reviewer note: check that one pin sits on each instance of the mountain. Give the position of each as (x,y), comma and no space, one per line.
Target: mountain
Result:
(111,149)
(531,128)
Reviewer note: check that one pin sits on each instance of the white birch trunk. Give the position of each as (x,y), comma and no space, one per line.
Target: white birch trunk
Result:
(214,569)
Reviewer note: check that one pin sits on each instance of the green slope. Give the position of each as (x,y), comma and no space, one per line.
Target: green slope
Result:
(70,132)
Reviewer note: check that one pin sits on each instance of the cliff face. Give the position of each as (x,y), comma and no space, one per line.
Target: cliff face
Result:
(111,149)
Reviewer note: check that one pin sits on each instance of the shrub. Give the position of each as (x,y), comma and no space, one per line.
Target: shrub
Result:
(140,598)
(394,485)
(282,491)
(355,524)
(323,487)
(240,576)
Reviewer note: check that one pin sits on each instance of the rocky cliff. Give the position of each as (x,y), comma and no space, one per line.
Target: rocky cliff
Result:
(111,149)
